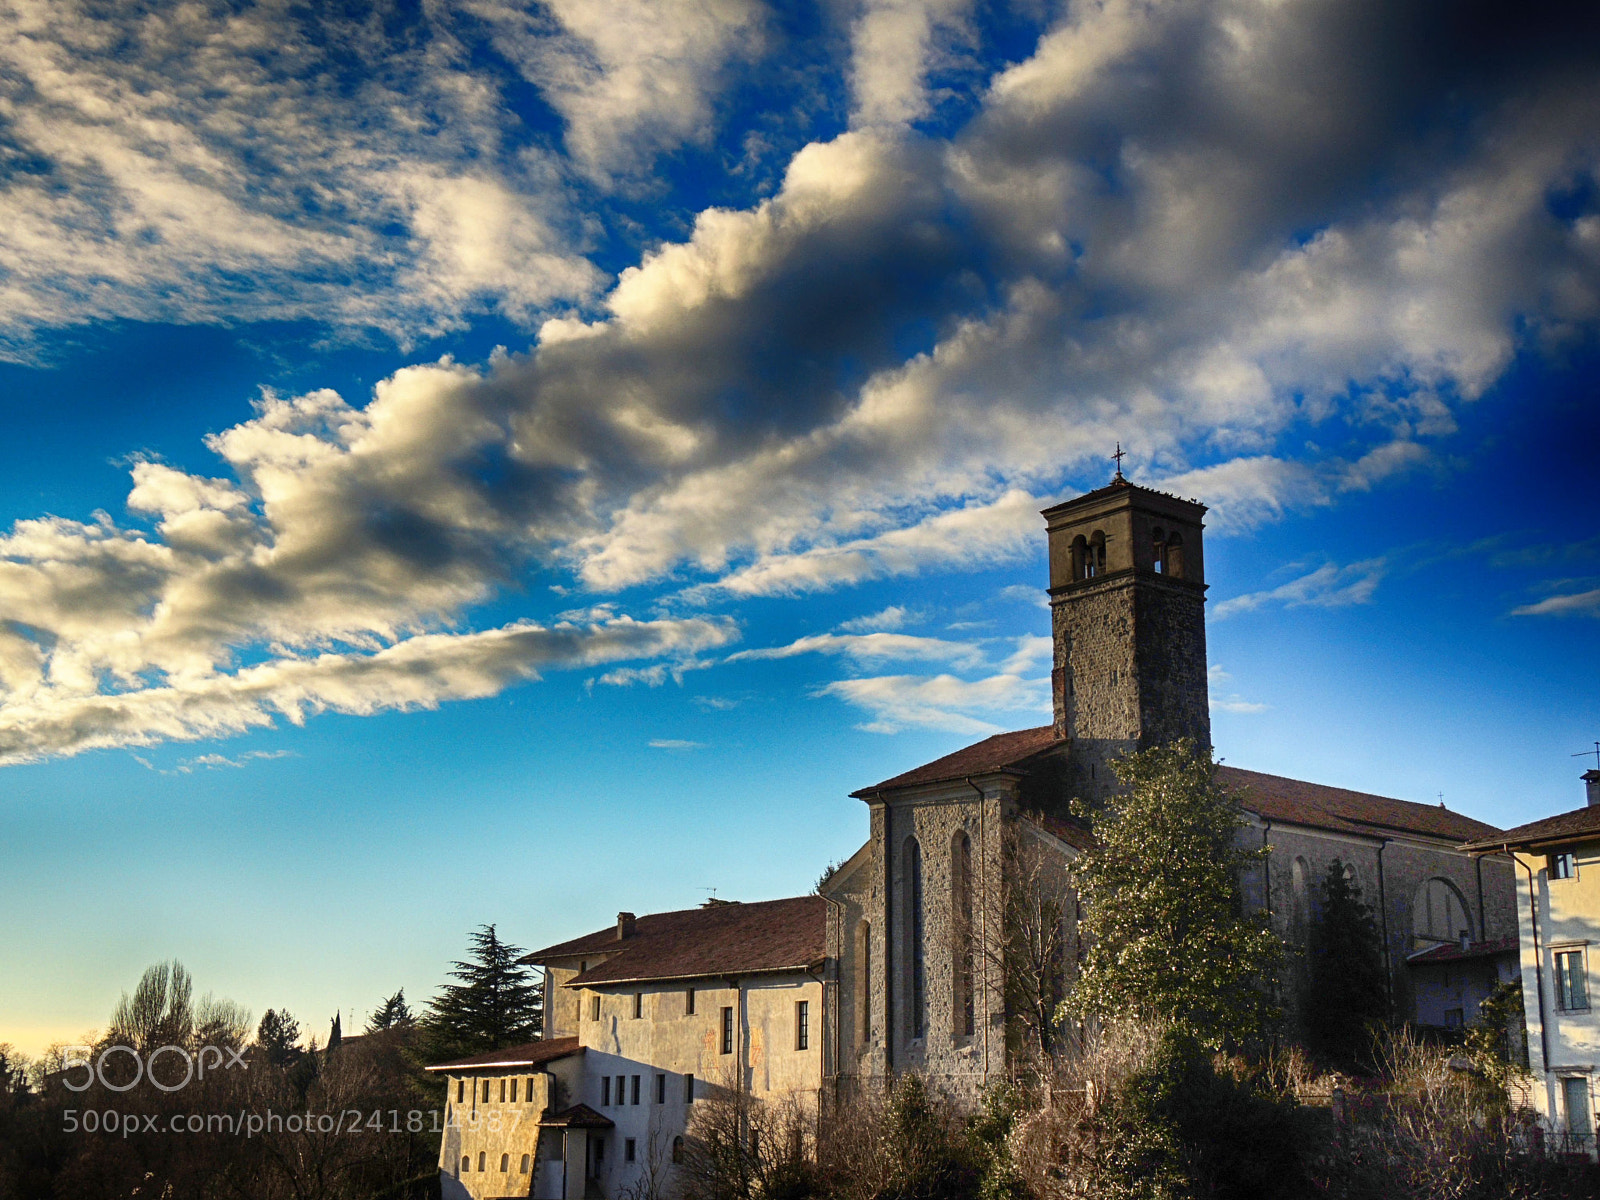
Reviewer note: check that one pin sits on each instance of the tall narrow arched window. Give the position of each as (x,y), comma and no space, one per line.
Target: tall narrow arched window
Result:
(864,982)
(916,979)
(1097,554)
(1174,555)
(1299,901)
(505,1162)
(962,1019)
(1080,558)
(1158,550)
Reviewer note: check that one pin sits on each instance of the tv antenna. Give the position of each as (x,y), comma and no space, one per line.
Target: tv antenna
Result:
(1586,753)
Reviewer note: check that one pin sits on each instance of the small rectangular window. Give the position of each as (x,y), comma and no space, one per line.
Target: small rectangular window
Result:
(605,1091)
(627,1149)
(594,1008)
(802,1024)
(661,1089)
(688,1003)
(513,1091)
(461,1090)
(635,1099)
(688,1089)
(487,1084)
(1564,866)
(622,1090)
(638,1005)
(727,1031)
(1572,984)
(502,1091)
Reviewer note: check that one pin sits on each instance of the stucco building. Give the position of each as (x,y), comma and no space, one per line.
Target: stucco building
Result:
(643,1020)
(1558,899)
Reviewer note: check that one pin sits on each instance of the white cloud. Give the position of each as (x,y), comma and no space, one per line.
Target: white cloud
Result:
(1329,586)
(194,164)
(675,744)
(631,78)
(1573,604)
(870,647)
(896,616)
(942,701)
(893,44)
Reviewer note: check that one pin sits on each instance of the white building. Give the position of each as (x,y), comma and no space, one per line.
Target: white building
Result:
(1558,896)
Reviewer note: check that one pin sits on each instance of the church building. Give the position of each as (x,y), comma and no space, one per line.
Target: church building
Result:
(901,962)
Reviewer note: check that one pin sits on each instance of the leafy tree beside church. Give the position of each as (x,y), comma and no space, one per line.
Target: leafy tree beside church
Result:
(1165,932)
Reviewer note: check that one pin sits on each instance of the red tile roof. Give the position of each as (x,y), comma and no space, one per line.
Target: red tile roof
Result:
(1452,951)
(1323,807)
(1582,824)
(1003,751)
(1072,834)
(1270,796)
(529,1054)
(718,940)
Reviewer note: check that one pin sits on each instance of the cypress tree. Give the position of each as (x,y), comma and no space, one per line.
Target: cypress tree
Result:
(1345,995)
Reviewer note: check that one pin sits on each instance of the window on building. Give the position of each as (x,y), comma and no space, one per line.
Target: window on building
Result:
(622,1090)
(466,1164)
(688,1002)
(638,1005)
(864,982)
(635,1099)
(502,1091)
(688,1089)
(513,1091)
(483,1161)
(1575,1094)
(727,1030)
(487,1084)
(461,1091)
(1572,984)
(594,1008)
(916,983)
(661,1089)
(1097,554)
(627,1149)
(599,1153)
(527,1092)
(527,1161)
(961,947)
(677,1149)
(605,1091)
(1564,866)
(1080,558)
(802,1025)
(505,1162)
(1174,555)
(1158,549)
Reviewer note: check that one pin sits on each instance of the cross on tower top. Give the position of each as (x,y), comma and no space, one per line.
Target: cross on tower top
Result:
(1119,456)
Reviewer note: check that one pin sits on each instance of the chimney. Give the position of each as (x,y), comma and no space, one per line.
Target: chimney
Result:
(1591,780)
(625,925)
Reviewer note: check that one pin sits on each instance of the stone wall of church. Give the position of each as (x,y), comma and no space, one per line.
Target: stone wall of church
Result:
(943,1050)
(1299,862)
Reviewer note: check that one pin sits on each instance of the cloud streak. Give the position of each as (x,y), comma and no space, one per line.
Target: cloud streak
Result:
(1329,586)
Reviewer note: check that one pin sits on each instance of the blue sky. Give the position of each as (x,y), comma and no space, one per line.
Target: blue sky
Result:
(512,463)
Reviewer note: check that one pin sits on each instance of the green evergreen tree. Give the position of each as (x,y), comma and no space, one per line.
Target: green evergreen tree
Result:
(1345,996)
(278,1037)
(498,1002)
(1163,922)
(393,1013)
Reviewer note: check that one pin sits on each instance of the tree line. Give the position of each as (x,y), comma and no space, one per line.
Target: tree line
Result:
(185,1097)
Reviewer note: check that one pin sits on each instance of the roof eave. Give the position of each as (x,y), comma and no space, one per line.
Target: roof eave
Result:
(580,982)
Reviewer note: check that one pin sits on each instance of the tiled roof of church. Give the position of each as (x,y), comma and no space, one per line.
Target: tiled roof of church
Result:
(997,753)
(1563,827)
(717,940)
(529,1054)
(1324,807)
(1452,952)
(1270,796)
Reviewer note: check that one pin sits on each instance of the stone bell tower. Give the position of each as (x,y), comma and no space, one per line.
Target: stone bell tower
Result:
(1127,608)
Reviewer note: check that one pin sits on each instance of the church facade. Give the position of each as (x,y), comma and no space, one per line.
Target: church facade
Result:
(909,958)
